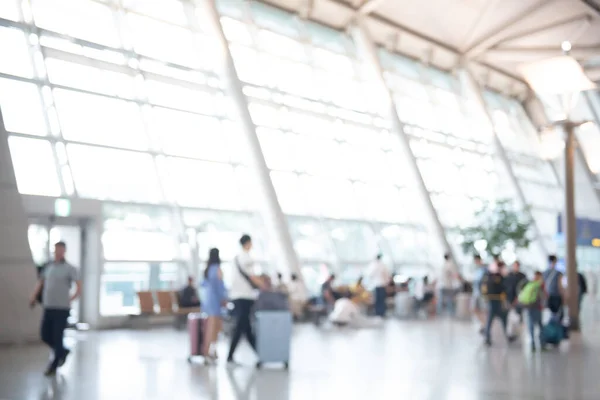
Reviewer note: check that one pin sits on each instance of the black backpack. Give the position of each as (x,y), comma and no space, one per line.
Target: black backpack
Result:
(40,272)
(492,284)
(582,283)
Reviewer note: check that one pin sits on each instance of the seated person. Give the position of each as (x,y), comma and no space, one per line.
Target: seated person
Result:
(360,295)
(328,293)
(346,312)
(391,289)
(423,293)
(281,286)
(269,298)
(188,296)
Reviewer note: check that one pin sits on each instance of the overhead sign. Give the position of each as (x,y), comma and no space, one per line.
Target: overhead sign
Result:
(588,231)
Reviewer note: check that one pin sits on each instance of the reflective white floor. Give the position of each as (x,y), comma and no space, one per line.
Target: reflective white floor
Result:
(437,360)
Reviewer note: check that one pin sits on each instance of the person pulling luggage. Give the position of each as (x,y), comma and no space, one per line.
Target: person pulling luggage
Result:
(532,298)
(243,294)
(493,288)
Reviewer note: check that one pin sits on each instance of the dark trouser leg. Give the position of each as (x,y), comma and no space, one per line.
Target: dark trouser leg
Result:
(555,306)
(59,324)
(494,310)
(503,314)
(242,310)
(46,329)
(380,301)
(248,326)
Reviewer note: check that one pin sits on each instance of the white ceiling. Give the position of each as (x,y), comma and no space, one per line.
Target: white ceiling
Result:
(496,35)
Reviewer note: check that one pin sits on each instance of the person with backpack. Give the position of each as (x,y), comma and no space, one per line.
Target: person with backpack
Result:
(553,282)
(494,290)
(532,298)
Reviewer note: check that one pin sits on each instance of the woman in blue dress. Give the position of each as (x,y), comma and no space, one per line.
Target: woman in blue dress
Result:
(215,297)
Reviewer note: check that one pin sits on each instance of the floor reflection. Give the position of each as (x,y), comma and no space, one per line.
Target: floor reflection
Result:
(429,360)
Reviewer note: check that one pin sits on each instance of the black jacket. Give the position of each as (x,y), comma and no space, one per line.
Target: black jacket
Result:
(514,282)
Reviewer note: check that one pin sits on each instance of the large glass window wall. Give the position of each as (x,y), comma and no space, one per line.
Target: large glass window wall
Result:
(338,170)
(537,177)
(119,101)
(450,140)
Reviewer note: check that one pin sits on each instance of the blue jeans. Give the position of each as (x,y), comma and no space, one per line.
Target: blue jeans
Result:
(380,305)
(495,309)
(535,318)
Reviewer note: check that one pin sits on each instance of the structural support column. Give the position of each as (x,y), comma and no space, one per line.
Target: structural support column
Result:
(472,85)
(365,45)
(570,227)
(271,210)
(17,273)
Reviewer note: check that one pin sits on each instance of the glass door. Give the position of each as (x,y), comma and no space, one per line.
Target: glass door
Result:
(43,233)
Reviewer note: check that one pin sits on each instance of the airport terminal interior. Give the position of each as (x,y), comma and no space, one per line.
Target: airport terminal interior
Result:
(343,136)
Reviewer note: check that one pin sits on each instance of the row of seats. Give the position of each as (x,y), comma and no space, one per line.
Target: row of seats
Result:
(162,302)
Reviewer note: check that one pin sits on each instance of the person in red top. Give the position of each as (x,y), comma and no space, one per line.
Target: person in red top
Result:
(535,311)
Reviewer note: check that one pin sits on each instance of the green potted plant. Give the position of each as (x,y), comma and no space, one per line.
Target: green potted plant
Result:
(497,226)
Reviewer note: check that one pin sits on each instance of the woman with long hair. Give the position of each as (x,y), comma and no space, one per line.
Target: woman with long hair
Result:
(215,298)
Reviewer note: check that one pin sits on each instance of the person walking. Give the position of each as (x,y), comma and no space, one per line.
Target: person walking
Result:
(446,285)
(532,298)
(55,285)
(493,288)
(215,297)
(515,281)
(477,300)
(243,294)
(379,276)
(553,281)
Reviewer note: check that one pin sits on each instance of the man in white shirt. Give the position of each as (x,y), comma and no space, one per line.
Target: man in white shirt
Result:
(379,276)
(297,296)
(446,285)
(243,293)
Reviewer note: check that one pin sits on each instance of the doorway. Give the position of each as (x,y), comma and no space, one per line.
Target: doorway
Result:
(44,232)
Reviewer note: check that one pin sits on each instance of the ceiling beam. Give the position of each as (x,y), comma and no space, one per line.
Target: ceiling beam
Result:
(384,20)
(517,54)
(306,9)
(490,6)
(585,19)
(593,5)
(369,6)
(502,32)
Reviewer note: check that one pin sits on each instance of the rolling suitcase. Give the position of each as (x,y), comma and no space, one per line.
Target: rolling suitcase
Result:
(273,337)
(196,325)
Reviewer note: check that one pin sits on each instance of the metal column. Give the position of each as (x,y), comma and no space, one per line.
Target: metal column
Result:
(367,48)
(271,210)
(570,226)
(501,152)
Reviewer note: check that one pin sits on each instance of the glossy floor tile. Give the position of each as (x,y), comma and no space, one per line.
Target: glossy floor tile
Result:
(435,359)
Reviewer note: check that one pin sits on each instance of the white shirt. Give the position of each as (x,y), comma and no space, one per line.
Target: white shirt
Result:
(447,278)
(344,311)
(419,289)
(378,274)
(296,291)
(240,288)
